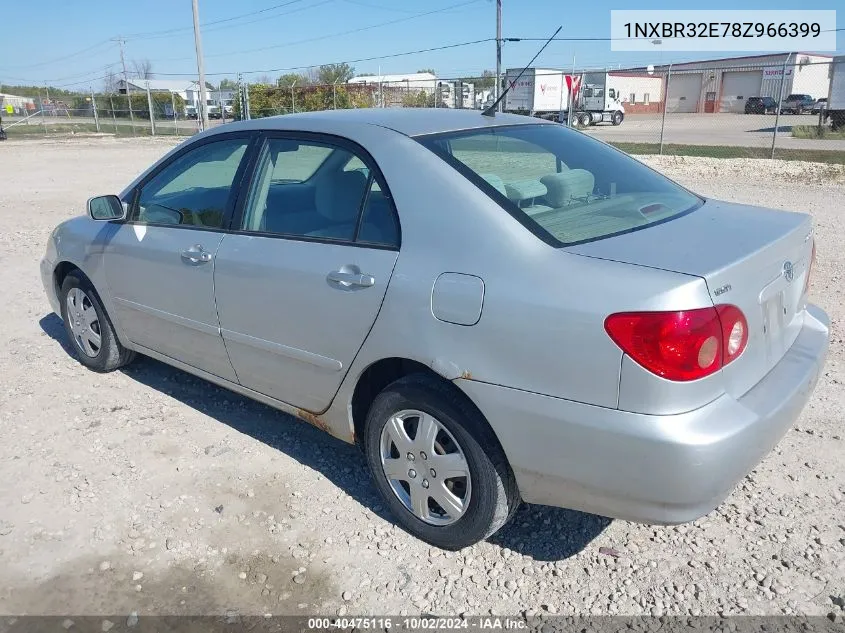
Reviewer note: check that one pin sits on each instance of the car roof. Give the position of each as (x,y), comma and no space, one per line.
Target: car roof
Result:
(408,121)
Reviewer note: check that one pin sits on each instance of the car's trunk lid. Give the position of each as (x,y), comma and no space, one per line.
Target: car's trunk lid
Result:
(756,259)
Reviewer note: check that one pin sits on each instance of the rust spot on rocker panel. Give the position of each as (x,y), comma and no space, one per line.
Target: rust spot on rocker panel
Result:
(313,419)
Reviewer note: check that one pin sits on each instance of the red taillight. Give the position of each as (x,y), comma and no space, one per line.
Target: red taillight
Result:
(684,345)
(810,268)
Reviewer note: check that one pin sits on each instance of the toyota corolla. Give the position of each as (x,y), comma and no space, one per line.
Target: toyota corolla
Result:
(494,308)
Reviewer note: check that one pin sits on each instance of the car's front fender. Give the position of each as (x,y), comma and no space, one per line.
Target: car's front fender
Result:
(80,242)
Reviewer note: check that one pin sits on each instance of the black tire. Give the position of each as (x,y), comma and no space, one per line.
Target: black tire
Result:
(111,354)
(585,119)
(617,118)
(494,497)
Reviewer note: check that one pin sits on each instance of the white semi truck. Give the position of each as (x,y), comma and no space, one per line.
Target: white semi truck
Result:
(537,92)
(836,95)
(596,102)
(548,94)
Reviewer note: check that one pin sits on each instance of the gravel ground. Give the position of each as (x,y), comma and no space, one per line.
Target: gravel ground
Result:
(148,490)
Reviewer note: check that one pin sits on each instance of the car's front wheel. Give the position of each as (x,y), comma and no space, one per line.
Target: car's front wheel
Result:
(437,463)
(88,326)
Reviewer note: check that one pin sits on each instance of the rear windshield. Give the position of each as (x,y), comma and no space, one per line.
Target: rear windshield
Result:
(563,185)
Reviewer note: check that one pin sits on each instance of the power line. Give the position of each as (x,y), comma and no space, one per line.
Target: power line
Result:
(348,61)
(349,32)
(379,7)
(62,58)
(153,34)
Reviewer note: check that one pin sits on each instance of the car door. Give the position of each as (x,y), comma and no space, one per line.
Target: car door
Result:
(160,262)
(300,279)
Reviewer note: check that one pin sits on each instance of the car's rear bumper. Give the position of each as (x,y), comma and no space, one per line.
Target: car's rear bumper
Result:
(651,469)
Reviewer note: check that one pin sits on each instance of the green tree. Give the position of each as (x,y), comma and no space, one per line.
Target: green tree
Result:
(427,70)
(228,84)
(486,81)
(288,79)
(418,99)
(335,73)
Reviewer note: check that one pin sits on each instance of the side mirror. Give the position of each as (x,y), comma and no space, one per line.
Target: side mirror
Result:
(106,208)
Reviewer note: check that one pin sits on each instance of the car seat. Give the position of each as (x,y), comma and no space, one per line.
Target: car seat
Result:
(566,187)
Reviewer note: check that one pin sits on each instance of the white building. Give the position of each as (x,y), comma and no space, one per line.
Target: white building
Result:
(413,81)
(724,85)
(188,90)
(20,105)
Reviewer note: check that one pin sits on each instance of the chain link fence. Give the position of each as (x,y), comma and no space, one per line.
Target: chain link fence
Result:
(731,109)
(134,114)
(738,110)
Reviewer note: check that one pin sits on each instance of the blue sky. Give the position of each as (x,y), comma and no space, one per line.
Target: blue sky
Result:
(68,43)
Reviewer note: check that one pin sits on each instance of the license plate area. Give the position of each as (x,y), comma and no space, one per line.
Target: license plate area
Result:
(773,326)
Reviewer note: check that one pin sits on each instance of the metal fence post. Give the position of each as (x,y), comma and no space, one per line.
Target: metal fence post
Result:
(94,105)
(175,116)
(665,104)
(150,107)
(113,116)
(41,107)
(131,114)
(780,101)
(334,93)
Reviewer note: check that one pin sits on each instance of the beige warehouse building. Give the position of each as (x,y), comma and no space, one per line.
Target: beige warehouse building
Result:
(724,85)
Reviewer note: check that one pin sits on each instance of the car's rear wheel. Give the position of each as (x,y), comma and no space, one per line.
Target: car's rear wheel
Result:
(437,463)
(88,326)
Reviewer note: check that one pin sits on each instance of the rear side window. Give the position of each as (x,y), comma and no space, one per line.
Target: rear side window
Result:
(318,190)
(565,186)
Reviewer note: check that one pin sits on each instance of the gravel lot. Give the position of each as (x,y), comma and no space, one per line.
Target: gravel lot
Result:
(148,490)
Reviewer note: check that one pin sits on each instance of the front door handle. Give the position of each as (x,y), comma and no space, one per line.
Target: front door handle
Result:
(196,255)
(348,279)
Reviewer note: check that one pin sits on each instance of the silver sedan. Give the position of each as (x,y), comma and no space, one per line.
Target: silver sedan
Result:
(494,308)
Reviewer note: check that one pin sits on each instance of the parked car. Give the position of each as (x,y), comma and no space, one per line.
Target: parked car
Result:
(760,105)
(819,105)
(797,104)
(494,308)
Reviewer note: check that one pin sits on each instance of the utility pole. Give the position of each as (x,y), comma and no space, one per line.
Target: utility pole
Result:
(122,41)
(498,50)
(200,65)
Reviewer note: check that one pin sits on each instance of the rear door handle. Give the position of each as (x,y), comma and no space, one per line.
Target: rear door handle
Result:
(347,279)
(196,255)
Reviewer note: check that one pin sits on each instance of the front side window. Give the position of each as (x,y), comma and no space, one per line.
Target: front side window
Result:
(195,188)
(313,189)
(564,185)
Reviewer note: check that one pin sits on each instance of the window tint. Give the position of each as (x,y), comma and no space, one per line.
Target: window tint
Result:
(300,163)
(315,189)
(562,183)
(195,188)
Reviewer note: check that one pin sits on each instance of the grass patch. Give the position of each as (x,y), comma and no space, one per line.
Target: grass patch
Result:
(816,132)
(726,151)
(36,129)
